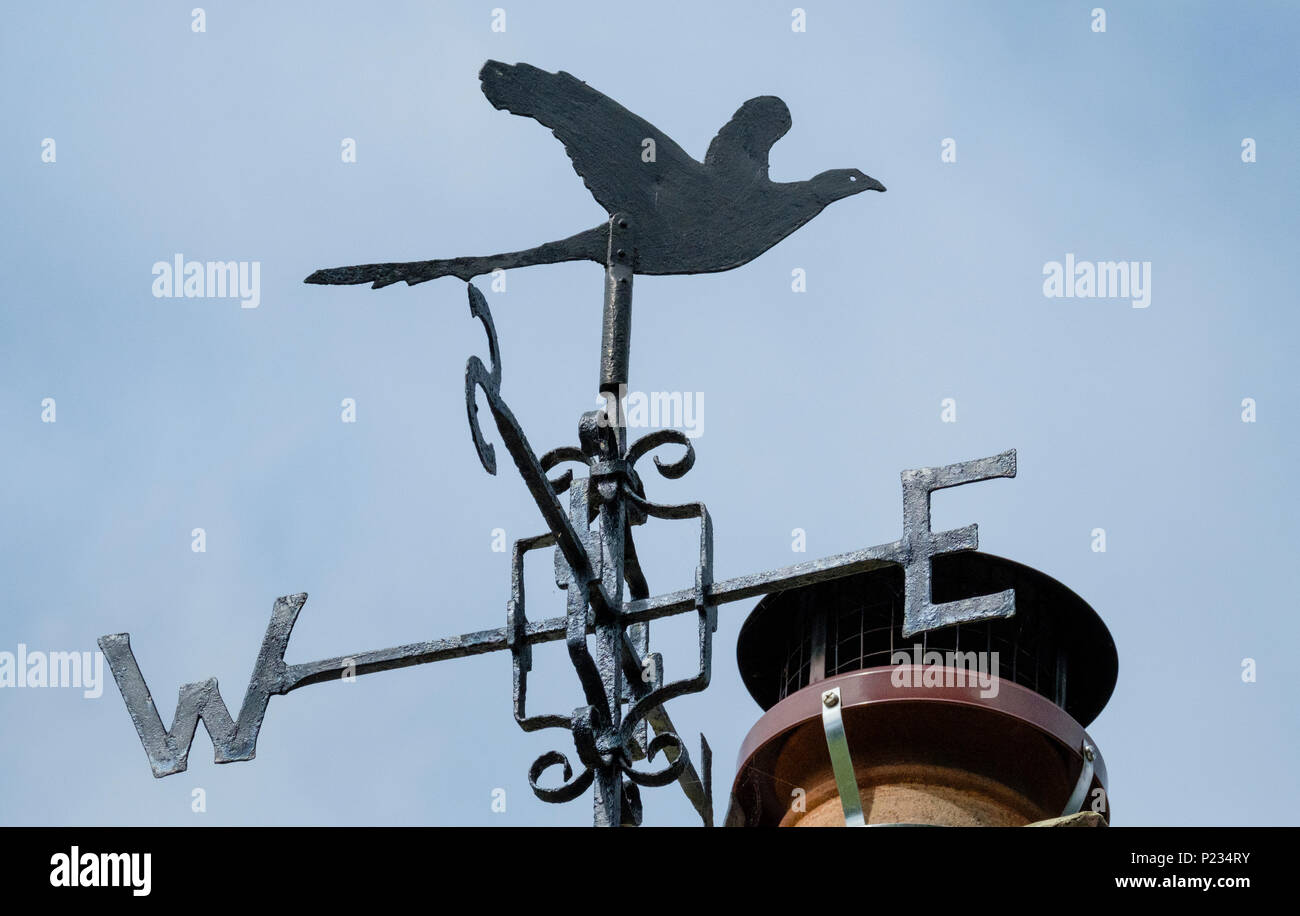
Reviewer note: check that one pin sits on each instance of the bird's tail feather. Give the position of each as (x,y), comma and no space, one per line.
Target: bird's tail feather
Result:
(381,275)
(589,245)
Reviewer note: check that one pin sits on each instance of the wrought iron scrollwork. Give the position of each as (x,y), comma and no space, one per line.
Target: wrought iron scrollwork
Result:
(651,441)
(478,375)
(669,774)
(611,496)
(570,789)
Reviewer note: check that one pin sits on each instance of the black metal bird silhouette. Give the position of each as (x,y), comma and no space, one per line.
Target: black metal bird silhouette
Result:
(689,217)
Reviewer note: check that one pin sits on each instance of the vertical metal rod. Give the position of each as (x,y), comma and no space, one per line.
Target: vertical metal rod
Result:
(609,803)
(817,666)
(1060,676)
(616,327)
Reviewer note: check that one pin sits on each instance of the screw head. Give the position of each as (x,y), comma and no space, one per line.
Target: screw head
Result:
(830,698)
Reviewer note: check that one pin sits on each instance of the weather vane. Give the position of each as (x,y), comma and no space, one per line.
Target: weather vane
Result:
(669,214)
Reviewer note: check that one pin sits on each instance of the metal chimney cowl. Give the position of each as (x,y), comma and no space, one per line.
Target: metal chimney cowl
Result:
(927,741)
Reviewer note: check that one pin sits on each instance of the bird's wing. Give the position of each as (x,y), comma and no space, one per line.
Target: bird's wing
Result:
(605,141)
(743,143)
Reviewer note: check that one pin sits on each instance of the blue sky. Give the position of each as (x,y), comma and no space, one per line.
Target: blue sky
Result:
(181,413)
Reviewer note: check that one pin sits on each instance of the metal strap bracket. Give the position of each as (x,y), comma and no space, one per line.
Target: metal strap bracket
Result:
(1080,793)
(841,761)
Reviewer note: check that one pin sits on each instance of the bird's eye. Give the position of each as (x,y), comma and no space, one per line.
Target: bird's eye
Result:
(853,178)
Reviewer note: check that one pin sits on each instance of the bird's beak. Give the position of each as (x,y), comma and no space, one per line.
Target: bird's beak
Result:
(873,185)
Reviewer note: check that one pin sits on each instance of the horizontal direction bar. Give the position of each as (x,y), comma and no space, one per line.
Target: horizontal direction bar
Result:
(554,628)
(742,587)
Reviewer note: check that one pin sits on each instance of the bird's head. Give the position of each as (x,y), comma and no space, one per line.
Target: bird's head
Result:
(839,183)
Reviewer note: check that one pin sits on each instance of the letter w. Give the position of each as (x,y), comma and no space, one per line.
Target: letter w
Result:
(168,751)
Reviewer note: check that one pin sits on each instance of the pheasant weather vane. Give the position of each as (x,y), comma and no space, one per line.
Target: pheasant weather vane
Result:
(668,214)
(691,217)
